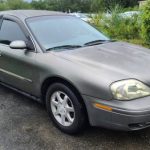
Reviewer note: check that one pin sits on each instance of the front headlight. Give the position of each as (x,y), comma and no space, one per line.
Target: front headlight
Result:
(129,89)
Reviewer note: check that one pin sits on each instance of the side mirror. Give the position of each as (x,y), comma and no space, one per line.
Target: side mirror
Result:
(18,45)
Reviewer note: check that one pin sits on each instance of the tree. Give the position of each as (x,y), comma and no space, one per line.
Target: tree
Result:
(97,5)
(110,4)
(40,4)
(66,5)
(15,4)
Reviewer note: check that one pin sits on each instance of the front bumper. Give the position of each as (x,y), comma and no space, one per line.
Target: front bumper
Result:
(125,115)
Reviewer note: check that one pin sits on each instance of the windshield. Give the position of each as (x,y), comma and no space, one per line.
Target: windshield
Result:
(55,31)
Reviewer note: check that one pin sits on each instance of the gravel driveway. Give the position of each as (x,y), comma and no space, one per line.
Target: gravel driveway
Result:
(24,125)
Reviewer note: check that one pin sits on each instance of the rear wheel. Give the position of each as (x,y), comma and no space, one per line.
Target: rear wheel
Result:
(64,108)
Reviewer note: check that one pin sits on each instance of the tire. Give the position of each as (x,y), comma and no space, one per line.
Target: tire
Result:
(68,115)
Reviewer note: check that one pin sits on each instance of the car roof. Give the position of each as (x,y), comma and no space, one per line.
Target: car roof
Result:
(24,14)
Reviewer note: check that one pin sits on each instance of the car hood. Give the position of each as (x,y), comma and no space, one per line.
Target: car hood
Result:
(120,60)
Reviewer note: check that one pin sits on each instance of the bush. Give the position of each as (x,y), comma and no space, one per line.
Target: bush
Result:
(117,26)
(146,23)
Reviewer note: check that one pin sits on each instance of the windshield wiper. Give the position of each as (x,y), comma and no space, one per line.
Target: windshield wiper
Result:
(64,47)
(96,42)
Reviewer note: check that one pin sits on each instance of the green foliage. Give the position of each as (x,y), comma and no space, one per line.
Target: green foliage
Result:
(15,4)
(146,23)
(97,6)
(108,5)
(40,4)
(67,5)
(63,5)
(117,26)
(135,8)
(3,6)
(122,3)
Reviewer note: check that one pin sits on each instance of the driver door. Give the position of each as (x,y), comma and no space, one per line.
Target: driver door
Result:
(17,66)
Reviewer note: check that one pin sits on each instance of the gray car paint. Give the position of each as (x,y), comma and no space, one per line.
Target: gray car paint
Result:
(91,70)
(106,63)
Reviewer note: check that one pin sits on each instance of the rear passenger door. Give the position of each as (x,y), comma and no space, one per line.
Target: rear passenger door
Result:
(16,65)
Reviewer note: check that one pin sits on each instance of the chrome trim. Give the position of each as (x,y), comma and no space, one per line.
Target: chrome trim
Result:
(15,75)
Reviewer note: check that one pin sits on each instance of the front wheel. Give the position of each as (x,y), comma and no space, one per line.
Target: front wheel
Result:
(64,108)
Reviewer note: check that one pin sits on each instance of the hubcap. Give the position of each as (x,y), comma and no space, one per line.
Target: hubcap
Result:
(62,108)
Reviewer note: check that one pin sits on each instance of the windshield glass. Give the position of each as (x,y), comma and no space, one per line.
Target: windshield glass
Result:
(54,31)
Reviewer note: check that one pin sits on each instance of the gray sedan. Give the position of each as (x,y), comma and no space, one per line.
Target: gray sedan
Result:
(77,72)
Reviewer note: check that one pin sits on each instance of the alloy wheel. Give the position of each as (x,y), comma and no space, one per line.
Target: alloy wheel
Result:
(62,108)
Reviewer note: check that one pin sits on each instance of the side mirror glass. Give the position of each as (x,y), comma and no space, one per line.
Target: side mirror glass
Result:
(18,45)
